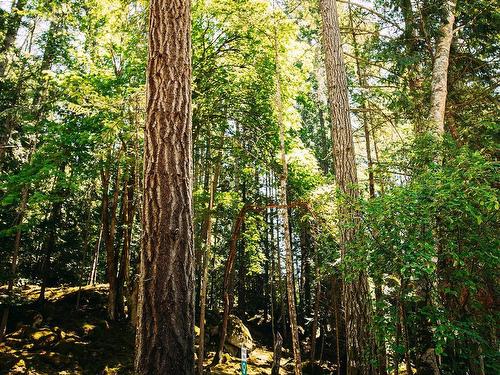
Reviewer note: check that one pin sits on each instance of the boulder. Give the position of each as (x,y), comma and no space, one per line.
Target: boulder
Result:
(14,342)
(22,331)
(19,368)
(238,336)
(44,338)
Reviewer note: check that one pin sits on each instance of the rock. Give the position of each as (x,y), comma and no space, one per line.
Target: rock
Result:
(21,331)
(19,368)
(87,329)
(44,338)
(238,336)
(226,358)
(29,346)
(289,366)
(14,342)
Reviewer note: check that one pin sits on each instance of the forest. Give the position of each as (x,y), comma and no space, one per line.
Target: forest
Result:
(249,187)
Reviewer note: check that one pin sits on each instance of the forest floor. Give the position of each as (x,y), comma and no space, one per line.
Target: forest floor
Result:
(59,339)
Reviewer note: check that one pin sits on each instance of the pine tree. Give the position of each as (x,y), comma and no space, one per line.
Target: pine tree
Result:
(165,331)
(355,293)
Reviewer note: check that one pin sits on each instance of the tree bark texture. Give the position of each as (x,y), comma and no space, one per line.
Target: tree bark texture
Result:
(356,293)
(165,328)
(439,83)
(290,285)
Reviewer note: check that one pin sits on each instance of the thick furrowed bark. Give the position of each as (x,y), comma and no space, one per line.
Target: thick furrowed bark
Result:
(165,329)
(355,294)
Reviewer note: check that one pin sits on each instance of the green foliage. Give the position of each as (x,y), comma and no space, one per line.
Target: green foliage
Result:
(436,234)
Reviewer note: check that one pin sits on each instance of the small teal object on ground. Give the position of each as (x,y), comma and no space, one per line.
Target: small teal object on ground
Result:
(243,361)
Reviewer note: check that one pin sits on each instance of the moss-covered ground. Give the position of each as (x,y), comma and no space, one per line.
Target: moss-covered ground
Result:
(59,338)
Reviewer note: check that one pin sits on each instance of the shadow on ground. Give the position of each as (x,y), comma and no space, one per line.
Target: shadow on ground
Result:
(56,338)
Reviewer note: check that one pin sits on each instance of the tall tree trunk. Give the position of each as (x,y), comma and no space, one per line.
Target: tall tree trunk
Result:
(427,360)
(95,258)
(340,344)
(206,258)
(305,270)
(356,293)
(104,225)
(439,83)
(123,281)
(109,244)
(85,250)
(266,253)
(380,344)
(165,328)
(242,267)
(13,264)
(286,224)
(227,283)
(49,245)
(275,367)
(316,316)
(381,347)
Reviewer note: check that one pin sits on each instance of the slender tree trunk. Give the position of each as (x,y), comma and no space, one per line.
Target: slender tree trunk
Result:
(398,334)
(49,245)
(282,288)
(242,267)
(13,264)
(49,54)
(95,259)
(85,251)
(165,329)
(273,280)
(10,123)
(227,283)
(305,271)
(103,225)
(275,367)
(13,24)
(316,317)
(404,327)
(266,254)
(381,347)
(426,358)
(206,258)
(123,280)
(356,293)
(286,225)
(439,83)
(336,290)
(109,244)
